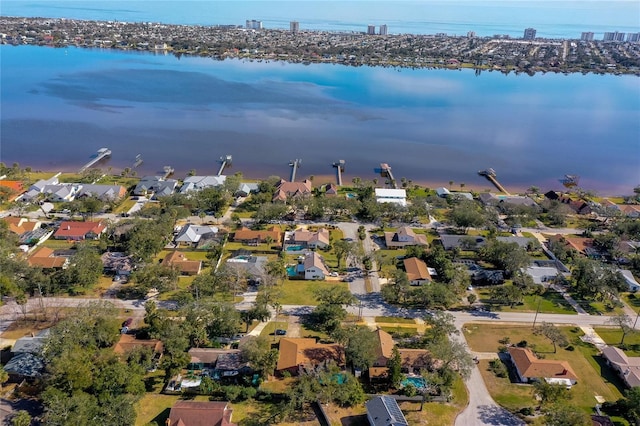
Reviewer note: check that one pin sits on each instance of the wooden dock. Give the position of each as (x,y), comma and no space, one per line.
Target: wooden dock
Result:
(226,162)
(100,155)
(339,165)
(295,164)
(385,171)
(490,175)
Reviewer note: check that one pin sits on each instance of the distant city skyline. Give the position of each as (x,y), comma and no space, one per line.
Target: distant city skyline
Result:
(551,19)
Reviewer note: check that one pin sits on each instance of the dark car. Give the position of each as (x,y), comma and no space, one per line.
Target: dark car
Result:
(127,322)
(281,332)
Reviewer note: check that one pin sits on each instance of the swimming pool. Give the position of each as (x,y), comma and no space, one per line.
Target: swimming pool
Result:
(295,248)
(418,382)
(291,271)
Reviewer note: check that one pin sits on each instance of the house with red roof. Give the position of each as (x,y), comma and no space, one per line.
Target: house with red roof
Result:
(200,413)
(530,368)
(78,231)
(14,188)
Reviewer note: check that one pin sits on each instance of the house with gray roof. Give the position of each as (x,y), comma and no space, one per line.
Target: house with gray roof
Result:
(253,266)
(192,234)
(198,183)
(157,186)
(247,188)
(488,198)
(384,411)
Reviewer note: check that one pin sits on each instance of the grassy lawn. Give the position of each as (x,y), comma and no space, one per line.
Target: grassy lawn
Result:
(402,331)
(435,413)
(393,320)
(550,303)
(260,249)
(124,206)
(612,336)
(594,378)
(300,292)
(633,300)
(271,327)
(58,244)
(511,396)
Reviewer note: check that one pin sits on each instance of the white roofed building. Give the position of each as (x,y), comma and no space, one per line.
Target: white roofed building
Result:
(397,196)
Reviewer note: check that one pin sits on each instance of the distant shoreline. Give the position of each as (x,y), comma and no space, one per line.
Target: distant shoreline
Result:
(439,51)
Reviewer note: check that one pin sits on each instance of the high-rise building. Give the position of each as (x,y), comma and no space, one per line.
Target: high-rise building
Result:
(613,36)
(253,24)
(371,29)
(529,34)
(586,36)
(383,29)
(633,37)
(471,34)
(294,26)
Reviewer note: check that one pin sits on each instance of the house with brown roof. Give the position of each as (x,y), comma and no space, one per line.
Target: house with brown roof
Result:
(21,225)
(310,239)
(627,367)
(331,190)
(14,188)
(288,190)
(78,231)
(200,413)
(581,245)
(177,259)
(253,238)
(128,342)
(299,354)
(384,347)
(530,368)
(45,258)
(404,237)
(413,361)
(417,271)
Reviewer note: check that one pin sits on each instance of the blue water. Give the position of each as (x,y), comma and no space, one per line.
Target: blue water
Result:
(552,19)
(418,382)
(291,271)
(60,105)
(295,248)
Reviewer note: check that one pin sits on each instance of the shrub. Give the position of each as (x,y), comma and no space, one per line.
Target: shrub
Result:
(410,390)
(498,368)
(505,340)
(503,349)
(570,348)
(526,411)
(522,344)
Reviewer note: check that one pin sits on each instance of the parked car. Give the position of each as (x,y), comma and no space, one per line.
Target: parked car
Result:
(281,332)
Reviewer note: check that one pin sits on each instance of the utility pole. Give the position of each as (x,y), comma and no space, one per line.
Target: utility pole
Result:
(535,318)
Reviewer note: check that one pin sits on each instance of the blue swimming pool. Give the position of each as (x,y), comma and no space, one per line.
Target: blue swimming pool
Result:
(295,248)
(418,382)
(291,271)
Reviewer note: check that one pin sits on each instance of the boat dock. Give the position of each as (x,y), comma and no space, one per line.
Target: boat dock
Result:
(294,168)
(339,165)
(226,162)
(166,171)
(385,171)
(100,155)
(490,174)
(137,161)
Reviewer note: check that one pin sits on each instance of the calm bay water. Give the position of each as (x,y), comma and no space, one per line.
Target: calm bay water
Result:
(61,105)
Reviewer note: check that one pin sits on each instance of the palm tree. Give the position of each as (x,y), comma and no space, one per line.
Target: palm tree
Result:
(450,184)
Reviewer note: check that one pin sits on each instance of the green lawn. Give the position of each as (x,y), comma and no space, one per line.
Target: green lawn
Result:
(436,413)
(124,206)
(300,292)
(612,336)
(271,327)
(594,378)
(550,303)
(393,320)
(633,300)
(511,396)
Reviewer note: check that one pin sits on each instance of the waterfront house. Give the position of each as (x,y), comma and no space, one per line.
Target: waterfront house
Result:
(297,355)
(198,183)
(331,190)
(200,413)
(396,196)
(490,199)
(155,186)
(384,411)
(529,368)
(178,260)
(288,190)
(404,237)
(628,368)
(78,231)
(247,188)
(417,271)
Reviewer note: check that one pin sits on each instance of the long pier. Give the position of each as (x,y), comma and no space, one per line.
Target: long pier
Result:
(490,175)
(385,171)
(294,168)
(100,155)
(339,165)
(226,161)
